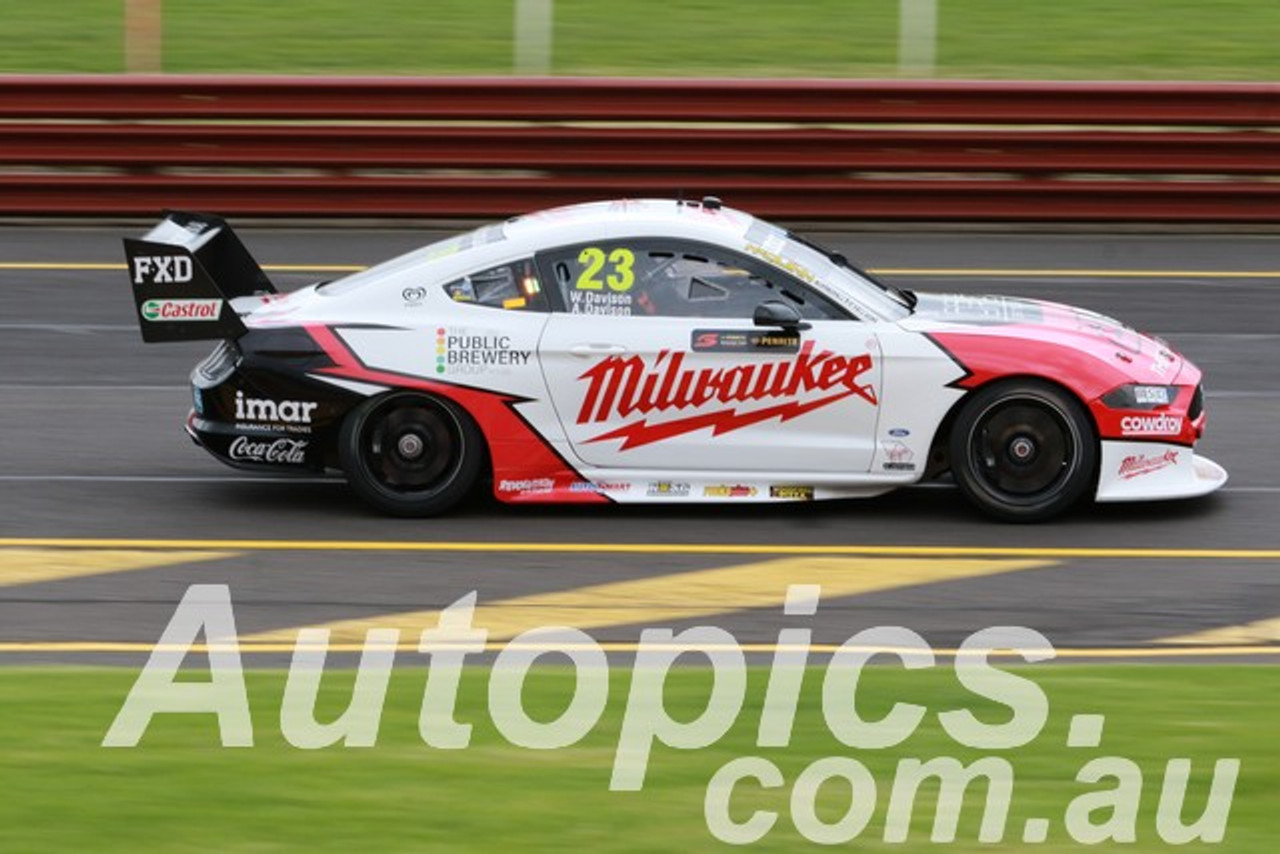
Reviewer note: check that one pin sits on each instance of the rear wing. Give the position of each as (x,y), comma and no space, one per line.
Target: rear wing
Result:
(184,274)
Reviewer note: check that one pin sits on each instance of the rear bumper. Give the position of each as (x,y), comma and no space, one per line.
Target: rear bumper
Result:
(255,450)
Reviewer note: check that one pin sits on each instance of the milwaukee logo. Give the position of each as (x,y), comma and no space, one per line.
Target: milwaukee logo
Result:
(620,387)
(1141,464)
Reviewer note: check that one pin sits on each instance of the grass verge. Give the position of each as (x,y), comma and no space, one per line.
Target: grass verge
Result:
(1034,39)
(179,791)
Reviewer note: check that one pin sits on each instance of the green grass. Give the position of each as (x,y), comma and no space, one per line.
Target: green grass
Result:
(1052,39)
(179,792)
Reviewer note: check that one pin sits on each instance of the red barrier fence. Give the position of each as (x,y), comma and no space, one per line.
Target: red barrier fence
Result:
(938,150)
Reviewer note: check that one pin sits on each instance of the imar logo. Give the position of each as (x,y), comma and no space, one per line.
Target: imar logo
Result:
(282,411)
(162,268)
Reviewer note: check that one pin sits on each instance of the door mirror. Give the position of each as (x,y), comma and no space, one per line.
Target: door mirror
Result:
(780,314)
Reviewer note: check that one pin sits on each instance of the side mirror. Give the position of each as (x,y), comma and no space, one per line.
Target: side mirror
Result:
(777,313)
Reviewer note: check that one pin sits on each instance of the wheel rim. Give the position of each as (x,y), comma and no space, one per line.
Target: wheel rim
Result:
(411,448)
(1023,450)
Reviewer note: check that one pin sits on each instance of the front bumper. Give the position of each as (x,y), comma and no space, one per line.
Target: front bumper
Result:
(1150,471)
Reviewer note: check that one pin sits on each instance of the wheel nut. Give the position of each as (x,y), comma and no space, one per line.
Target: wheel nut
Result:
(410,446)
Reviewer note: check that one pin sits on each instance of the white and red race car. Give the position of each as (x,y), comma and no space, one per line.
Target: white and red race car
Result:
(638,351)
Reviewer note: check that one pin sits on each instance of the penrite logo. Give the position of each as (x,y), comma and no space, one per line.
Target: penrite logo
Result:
(621,387)
(181,309)
(1151,425)
(1140,464)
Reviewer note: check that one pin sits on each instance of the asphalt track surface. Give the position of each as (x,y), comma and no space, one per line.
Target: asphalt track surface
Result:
(108,513)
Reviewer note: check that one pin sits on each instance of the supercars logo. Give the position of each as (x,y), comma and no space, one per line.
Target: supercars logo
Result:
(181,309)
(618,388)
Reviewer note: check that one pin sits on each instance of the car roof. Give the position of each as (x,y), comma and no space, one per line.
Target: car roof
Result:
(705,218)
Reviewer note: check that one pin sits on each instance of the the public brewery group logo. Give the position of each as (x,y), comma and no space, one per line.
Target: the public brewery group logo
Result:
(460,353)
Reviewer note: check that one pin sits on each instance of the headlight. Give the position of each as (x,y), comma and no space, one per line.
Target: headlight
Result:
(1135,396)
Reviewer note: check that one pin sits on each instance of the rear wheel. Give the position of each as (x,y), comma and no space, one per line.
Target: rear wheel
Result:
(410,454)
(1023,450)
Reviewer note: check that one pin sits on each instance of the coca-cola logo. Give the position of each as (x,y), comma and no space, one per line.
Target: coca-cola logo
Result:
(618,388)
(274,451)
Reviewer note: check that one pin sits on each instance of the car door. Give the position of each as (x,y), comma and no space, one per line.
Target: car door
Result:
(653,362)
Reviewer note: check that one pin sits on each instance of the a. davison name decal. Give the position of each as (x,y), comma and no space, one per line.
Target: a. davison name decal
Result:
(619,387)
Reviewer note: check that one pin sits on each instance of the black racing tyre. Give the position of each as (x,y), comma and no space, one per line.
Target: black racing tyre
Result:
(410,454)
(1023,450)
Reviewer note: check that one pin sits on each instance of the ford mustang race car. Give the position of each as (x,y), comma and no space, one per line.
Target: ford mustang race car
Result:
(640,351)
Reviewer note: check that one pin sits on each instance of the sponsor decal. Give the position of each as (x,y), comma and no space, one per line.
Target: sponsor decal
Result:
(1110,330)
(667,489)
(621,387)
(1140,464)
(726,491)
(899,432)
(458,353)
(291,412)
(795,268)
(987,309)
(792,493)
(1151,425)
(181,309)
(413,296)
(528,485)
(742,341)
(162,269)
(602,486)
(898,457)
(274,451)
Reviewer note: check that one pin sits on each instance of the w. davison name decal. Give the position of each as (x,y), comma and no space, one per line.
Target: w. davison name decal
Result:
(620,387)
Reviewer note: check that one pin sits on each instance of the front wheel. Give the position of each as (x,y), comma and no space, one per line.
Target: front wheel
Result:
(410,454)
(1023,450)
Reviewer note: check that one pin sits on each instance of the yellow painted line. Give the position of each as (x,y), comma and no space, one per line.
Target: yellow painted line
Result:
(1030,552)
(879,271)
(1257,632)
(145,648)
(35,565)
(680,596)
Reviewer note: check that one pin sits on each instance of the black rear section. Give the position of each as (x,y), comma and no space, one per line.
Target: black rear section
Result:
(185,272)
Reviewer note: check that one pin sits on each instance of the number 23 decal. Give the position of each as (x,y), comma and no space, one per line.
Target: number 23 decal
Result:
(620,277)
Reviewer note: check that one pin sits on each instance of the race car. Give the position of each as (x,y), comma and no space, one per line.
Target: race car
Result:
(662,350)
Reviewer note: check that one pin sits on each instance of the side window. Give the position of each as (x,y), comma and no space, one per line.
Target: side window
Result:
(513,287)
(673,279)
